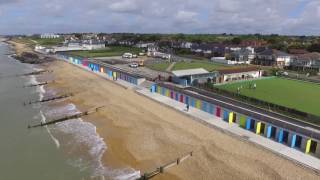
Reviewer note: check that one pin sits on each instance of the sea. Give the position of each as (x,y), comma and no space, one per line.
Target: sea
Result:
(67,150)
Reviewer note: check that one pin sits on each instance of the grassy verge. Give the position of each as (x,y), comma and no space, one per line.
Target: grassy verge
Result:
(43,42)
(107,52)
(199,64)
(159,66)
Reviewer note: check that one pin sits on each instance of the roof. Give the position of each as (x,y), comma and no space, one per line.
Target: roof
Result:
(189,72)
(238,70)
(298,51)
(309,56)
(270,52)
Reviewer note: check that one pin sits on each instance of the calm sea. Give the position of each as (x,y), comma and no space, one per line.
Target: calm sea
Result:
(69,150)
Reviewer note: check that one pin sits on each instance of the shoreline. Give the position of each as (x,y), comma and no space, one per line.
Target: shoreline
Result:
(143,134)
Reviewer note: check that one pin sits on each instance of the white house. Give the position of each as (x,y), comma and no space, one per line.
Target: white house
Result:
(157,54)
(187,45)
(49,36)
(144,45)
(228,75)
(91,45)
(272,57)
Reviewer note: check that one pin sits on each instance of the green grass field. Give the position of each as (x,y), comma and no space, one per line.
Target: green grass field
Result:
(159,66)
(107,52)
(49,42)
(299,95)
(43,42)
(199,64)
(192,65)
(188,65)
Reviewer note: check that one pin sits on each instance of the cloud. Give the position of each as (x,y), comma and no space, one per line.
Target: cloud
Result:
(186,16)
(125,6)
(158,16)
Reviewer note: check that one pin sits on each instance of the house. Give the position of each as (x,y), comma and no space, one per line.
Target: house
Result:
(253,43)
(152,47)
(144,45)
(242,56)
(157,54)
(74,43)
(181,45)
(309,61)
(191,77)
(49,36)
(272,57)
(236,56)
(93,44)
(126,43)
(215,49)
(186,45)
(235,74)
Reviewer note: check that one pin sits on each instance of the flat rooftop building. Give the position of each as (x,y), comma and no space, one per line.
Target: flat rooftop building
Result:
(190,77)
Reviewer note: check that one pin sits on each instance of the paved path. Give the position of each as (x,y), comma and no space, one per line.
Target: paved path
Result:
(169,68)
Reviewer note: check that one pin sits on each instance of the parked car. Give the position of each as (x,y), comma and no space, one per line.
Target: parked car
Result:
(134,65)
(127,55)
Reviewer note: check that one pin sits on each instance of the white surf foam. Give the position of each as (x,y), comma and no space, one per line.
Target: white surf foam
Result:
(41,91)
(55,140)
(32,80)
(68,109)
(84,133)
(84,137)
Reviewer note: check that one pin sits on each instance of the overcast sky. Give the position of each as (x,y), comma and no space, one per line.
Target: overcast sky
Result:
(301,17)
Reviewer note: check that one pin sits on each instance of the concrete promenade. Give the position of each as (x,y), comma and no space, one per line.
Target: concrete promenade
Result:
(212,121)
(234,129)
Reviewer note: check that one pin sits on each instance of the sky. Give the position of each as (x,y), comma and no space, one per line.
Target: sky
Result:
(288,17)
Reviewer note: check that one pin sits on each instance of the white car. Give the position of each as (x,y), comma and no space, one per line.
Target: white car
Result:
(134,65)
(127,55)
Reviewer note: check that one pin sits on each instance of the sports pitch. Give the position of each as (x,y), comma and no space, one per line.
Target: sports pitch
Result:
(303,96)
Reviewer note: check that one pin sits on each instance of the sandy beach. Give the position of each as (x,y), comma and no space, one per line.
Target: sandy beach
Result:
(143,134)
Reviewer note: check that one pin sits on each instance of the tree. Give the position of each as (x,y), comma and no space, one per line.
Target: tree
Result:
(78,35)
(154,38)
(236,40)
(314,47)
(179,37)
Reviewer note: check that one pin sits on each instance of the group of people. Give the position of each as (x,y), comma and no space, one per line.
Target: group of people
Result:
(251,86)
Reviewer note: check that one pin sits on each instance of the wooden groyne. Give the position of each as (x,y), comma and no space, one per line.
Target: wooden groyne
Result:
(27,74)
(49,99)
(75,116)
(39,84)
(35,73)
(163,168)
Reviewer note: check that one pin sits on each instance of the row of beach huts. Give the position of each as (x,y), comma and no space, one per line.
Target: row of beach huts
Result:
(284,133)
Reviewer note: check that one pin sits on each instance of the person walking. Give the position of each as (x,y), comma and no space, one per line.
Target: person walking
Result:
(188,107)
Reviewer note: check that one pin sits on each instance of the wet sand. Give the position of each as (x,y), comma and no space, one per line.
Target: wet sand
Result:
(143,134)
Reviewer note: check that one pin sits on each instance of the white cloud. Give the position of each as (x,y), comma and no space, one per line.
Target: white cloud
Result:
(201,16)
(186,16)
(124,6)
